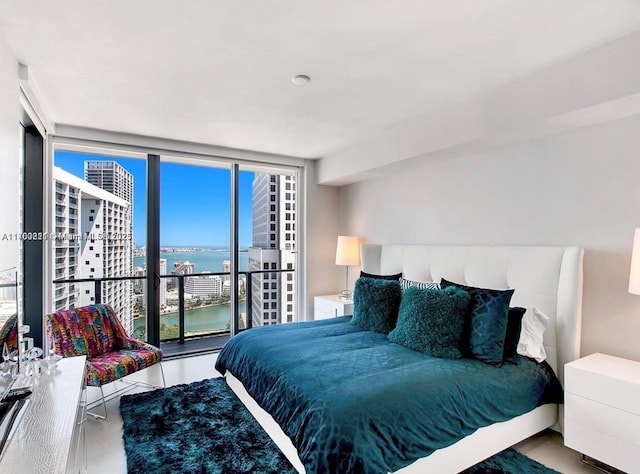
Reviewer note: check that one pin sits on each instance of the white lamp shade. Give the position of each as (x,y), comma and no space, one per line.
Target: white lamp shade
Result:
(348,250)
(634,274)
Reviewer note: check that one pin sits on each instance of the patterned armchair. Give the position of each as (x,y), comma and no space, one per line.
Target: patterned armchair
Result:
(96,332)
(9,335)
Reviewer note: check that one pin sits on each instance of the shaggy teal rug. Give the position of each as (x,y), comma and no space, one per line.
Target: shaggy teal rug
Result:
(203,428)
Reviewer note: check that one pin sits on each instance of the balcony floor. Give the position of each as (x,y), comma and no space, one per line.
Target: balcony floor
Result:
(197,345)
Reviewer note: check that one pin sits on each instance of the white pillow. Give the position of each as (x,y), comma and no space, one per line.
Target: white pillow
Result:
(531,342)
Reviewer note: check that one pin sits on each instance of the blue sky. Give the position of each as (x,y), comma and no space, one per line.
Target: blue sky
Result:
(194,201)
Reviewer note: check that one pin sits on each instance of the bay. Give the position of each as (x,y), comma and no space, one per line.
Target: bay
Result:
(198,320)
(205,260)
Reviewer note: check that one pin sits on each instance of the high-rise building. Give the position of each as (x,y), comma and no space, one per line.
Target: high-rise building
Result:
(94,227)
(274,217)
(110,176)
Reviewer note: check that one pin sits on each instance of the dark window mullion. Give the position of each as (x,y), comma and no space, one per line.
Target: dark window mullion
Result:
(33,219)
(153,249)
(235,193)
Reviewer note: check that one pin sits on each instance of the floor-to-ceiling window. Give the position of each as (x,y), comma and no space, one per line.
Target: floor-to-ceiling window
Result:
(194,281)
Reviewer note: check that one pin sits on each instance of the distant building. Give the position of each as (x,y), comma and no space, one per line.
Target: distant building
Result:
(182,268)
(203,286)
(226,267)
(274,248)
(163,282)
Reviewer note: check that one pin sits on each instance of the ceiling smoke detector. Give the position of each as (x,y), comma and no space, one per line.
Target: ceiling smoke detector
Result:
(300,79)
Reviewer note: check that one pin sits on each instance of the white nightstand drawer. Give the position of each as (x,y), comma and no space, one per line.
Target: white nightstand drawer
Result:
(603,418)
(331,305)
(605,379)
(602,447)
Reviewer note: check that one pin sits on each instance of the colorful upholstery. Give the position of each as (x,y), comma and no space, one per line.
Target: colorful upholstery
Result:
(96,331)
(9,335)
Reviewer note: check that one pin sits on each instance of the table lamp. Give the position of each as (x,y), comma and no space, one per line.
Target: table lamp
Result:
(634,273)
(347,253)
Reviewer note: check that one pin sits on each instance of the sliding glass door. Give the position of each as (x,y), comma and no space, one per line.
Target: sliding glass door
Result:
(195,278)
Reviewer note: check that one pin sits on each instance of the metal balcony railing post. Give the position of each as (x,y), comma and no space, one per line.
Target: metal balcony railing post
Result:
(248,304)
(97,291)
(181,308)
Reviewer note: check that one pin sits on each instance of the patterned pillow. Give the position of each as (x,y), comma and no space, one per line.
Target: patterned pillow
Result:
(432,321)
(375,304)
(488,325)
(514,326)
(395,276)
(423,285)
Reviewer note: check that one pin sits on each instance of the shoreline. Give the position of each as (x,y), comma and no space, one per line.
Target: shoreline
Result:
(177,311)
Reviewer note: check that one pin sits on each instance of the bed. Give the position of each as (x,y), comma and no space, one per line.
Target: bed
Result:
(548,278)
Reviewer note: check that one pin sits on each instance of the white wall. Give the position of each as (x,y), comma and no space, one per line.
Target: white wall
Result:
(576,188)
(321,228)
(9,156)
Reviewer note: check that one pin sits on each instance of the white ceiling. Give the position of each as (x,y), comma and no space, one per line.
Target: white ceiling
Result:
(219,72)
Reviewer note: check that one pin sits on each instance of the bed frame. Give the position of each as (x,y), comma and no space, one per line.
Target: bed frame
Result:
(548,278)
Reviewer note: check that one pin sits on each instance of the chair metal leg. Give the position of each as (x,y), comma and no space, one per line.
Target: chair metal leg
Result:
(164,382)
(129,386)
(104,407)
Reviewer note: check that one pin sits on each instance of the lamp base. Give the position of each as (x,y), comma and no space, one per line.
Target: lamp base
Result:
(346,295)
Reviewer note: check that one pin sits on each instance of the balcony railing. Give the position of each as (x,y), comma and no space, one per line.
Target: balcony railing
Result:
(182,335)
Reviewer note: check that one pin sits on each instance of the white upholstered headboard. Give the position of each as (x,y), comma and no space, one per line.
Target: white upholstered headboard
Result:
(548,278)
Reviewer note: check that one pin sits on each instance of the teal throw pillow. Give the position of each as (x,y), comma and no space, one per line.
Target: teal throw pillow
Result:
(432,321)
(488,325)
(375,304)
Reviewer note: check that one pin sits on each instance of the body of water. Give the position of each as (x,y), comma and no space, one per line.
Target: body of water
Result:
(205,260)
(209,319)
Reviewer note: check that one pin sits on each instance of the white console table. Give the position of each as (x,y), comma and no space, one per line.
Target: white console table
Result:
(48,438)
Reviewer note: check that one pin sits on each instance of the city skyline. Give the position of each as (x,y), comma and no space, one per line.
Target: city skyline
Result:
(194,201)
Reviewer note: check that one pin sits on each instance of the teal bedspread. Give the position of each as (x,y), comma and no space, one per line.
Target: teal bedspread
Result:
(351,401)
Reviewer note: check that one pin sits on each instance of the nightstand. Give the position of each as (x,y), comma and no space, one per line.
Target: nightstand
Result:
(602,410)
(331,306)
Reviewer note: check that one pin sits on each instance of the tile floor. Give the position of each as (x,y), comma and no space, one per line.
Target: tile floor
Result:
(105,450)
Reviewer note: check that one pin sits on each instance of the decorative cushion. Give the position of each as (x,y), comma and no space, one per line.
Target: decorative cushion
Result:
(514,325)
(112,366)
(375,304)
(395,276)
(488,326)
(406,284)
(531,343)
(432,321)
